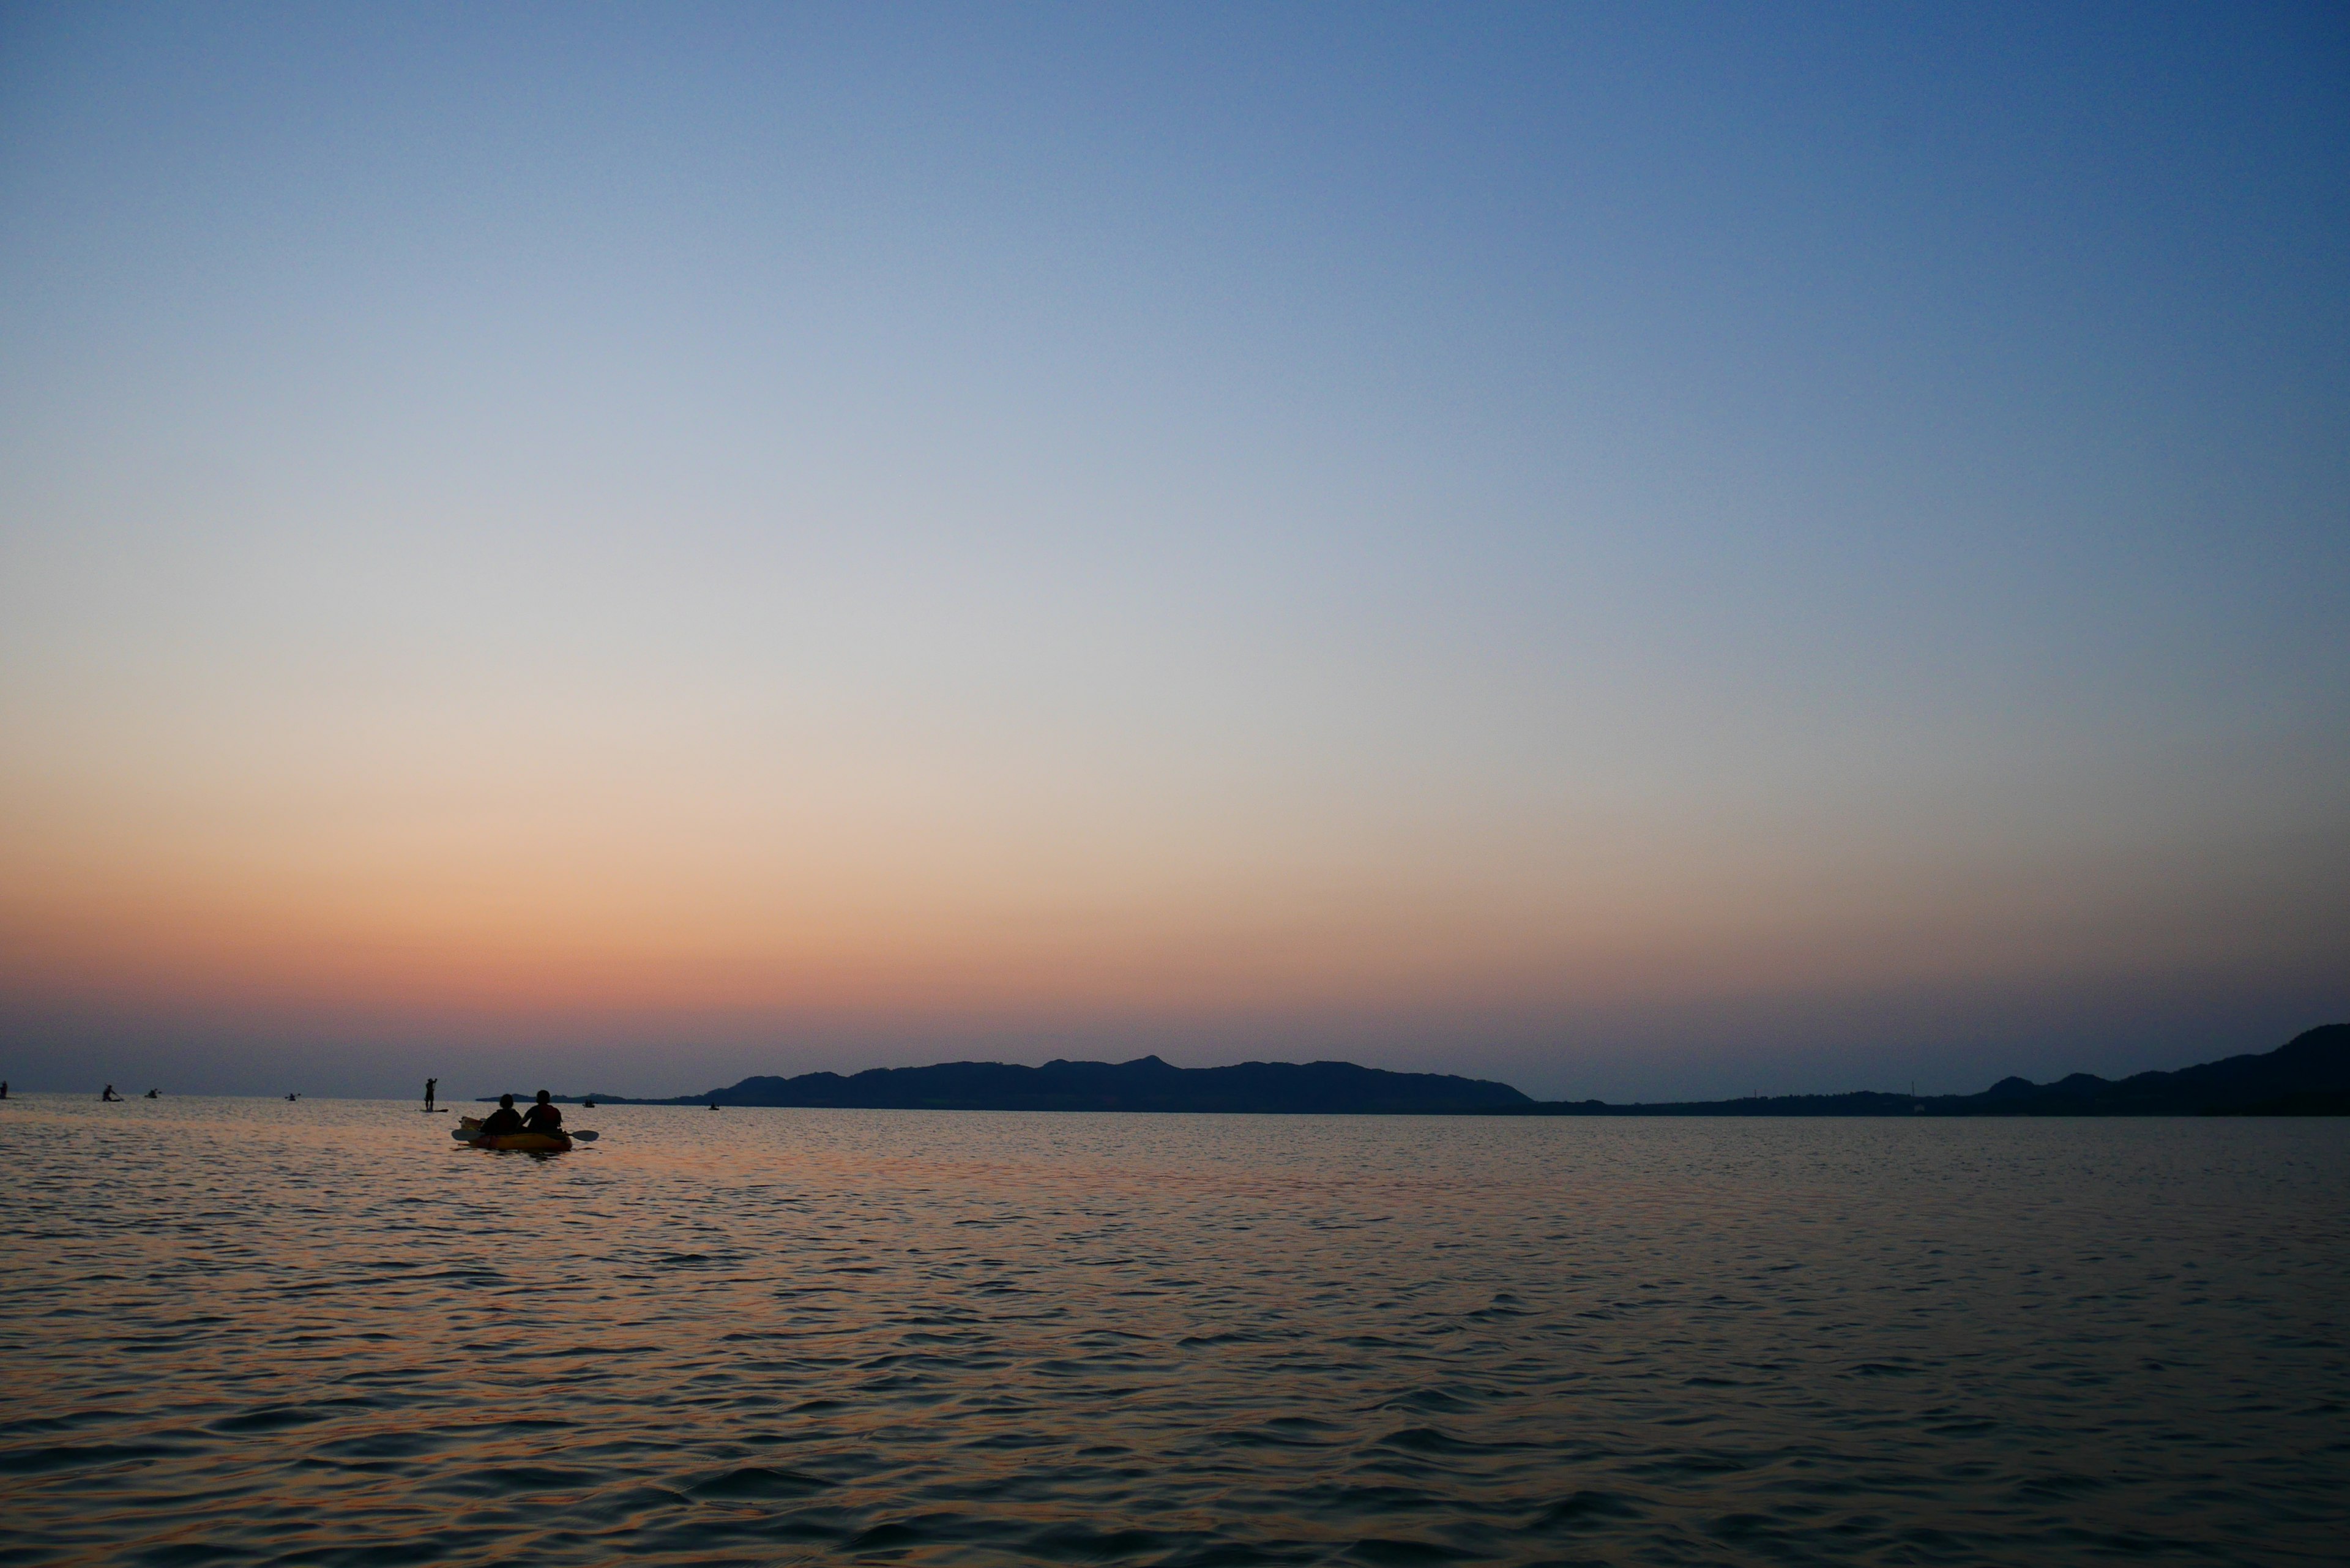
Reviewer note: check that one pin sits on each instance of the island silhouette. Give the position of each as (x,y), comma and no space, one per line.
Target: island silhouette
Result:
(2307,1076)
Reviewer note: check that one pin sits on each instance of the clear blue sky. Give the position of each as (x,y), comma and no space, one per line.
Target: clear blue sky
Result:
(1638,551)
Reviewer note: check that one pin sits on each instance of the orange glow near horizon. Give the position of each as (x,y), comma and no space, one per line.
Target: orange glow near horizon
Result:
(520,899)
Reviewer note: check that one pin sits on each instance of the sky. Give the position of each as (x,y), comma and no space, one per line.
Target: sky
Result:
(1649,551)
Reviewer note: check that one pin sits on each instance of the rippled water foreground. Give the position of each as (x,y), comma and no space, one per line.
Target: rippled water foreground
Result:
(320,1332)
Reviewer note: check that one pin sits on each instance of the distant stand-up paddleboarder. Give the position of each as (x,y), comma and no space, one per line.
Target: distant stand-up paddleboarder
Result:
(3,1088)
(109,1094)
(430,1085)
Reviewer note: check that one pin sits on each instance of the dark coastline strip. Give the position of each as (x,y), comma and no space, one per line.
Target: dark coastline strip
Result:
(2308,1075)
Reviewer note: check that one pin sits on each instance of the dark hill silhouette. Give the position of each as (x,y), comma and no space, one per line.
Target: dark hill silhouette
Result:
(2309,1075)
(1146,1085)
(2310,1065)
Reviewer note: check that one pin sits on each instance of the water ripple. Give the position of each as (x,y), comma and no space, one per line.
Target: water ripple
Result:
(258,1333)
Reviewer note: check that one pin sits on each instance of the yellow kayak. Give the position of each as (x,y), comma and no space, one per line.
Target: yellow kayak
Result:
(468,1130)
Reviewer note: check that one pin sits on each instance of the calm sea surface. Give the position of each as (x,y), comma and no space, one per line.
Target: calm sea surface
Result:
(237,1331)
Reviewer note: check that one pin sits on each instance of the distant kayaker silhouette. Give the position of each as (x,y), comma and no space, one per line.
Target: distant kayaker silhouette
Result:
(543,1117)
(430,1085)
(154,1093)
(504,1119)
(109,1094)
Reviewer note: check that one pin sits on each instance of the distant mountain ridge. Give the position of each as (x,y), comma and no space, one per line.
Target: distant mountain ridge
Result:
(1146,1084)
(2308,1075)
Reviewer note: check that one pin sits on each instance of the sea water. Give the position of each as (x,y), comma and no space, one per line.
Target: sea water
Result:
(322,1333)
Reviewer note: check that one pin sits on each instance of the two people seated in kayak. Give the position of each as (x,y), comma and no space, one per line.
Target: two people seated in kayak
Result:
(542,1118)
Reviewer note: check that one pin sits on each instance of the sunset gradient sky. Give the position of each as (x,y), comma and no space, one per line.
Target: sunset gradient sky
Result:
(1640,551)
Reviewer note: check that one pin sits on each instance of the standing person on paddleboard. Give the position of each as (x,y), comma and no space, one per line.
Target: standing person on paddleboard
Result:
(430,1085)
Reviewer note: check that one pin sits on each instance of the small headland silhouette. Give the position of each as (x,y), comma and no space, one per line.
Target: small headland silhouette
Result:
(2308,1075)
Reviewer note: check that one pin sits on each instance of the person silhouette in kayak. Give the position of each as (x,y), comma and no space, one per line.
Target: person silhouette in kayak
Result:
(544,1117)
(504,1119)
(109,1094)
